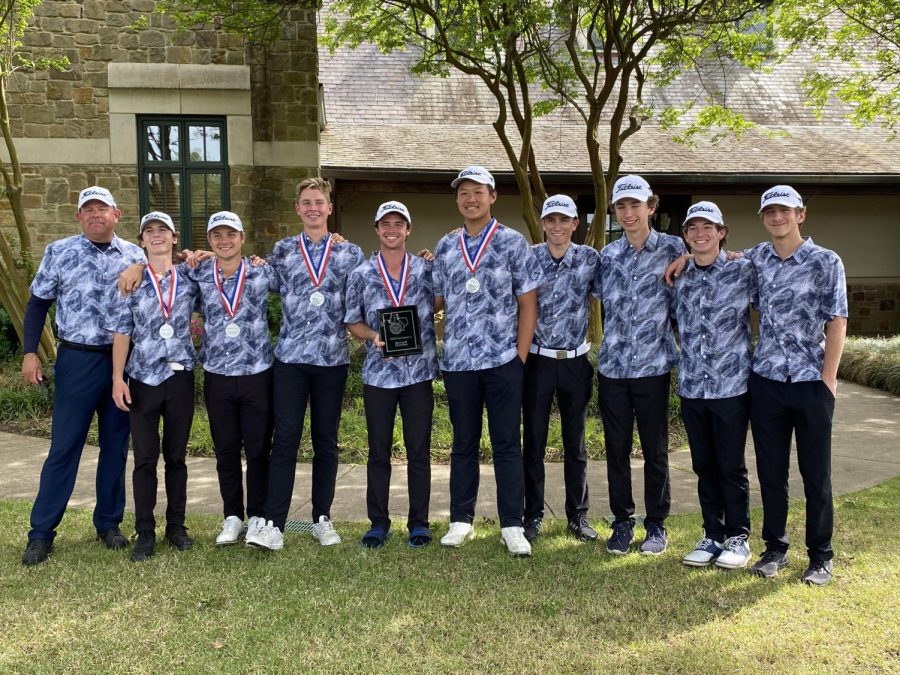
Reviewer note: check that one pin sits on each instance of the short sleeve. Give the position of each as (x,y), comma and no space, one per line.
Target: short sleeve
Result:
(834,289)
(120,318)
(526,273)
(353,299)
(46,282)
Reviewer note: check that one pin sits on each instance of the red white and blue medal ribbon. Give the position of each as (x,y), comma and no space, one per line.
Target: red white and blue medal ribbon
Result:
(232,303)
(316,272)
(316,299)
(166,331)
(395,294)
(472,284)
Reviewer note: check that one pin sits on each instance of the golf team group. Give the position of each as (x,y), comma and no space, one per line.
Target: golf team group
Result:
(515,330)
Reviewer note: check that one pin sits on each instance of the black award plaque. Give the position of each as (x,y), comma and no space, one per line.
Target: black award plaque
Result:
(399,329)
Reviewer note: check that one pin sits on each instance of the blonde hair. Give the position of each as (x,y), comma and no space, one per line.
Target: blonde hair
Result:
(314,183)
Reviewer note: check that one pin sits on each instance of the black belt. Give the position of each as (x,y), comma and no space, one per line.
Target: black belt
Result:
(102,349)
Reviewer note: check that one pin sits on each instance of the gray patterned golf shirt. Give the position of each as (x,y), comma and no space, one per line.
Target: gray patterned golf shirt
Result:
(480,328)
(310,334)
(563,298)
(250,351)
(82,279)
(366,294)
(797,297)
(139,316)
(712,307)
(638,340)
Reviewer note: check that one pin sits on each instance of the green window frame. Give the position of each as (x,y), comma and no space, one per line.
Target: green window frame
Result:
(183,171)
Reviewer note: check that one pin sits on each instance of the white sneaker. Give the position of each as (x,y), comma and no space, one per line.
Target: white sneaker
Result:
(268,537)
(458,534)
(515,541)
(232,528)
(706,551)
(324,533)
(253,526)
(736,554)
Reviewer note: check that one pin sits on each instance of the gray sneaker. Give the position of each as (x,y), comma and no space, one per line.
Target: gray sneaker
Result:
(818,573)
(770,563)
(655,541)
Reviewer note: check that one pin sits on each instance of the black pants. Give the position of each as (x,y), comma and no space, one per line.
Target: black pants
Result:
(295,385)
(173,401)
(416,404)
(240,415)
(570,381)
(622,401)
(468,392)
(717,433)
(778,410)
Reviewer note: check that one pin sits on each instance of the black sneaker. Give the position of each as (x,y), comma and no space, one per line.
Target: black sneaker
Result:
(178,537)
(533,529)
(818,573)
(113,538)
(144,546)
(770,563)
(37,551)
(581,529)
(620,539)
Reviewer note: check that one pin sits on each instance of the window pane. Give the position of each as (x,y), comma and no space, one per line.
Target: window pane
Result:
(164,191)
(162,143)
(205,142)
(206,199)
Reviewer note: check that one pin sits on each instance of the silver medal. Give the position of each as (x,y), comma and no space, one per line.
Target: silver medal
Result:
(316,299)
(166,332)
(232,330)
(473,285)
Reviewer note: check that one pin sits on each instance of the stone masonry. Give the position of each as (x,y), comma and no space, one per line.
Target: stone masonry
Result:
(74,104)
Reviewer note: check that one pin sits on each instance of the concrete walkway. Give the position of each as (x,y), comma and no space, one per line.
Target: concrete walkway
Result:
(866,451)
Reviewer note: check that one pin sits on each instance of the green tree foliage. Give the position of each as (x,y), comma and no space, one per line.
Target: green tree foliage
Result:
(864,36)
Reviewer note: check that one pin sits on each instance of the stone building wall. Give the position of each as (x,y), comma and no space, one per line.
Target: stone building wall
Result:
(874,308)
(75,104)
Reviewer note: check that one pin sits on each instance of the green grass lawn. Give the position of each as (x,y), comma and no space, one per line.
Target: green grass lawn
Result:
(570,608)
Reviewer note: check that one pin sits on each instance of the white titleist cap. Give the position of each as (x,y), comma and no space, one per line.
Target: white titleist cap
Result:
(226,219)
(98,193)
(476,173)
(706,210)
(559,204)
(163,218)
(393,207)
(780,194)
(631,187)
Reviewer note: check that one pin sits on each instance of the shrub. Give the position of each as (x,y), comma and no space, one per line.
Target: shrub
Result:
(873,362)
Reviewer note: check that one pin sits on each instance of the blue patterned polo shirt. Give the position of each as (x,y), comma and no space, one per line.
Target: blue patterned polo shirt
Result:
(563,298)
(366,294)
(797,297)
(712,307)
(638,340)
(480,328)
(313,334)
(82,279)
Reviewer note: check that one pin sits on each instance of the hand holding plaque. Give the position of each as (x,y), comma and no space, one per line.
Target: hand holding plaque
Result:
(398,328)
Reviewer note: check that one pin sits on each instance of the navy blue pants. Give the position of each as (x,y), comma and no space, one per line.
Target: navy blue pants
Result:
(779,410)
(717,433)
(570,381)
(83,386)
(468,392)
(295,385)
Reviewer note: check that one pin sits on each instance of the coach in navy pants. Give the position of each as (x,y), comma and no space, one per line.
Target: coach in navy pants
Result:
(79,274)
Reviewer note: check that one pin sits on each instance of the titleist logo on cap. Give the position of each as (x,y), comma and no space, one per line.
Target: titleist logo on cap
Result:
(776,193)
(700,209)
(98,193)
(628,186)
(221,216)
(556,202)
(391,206)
